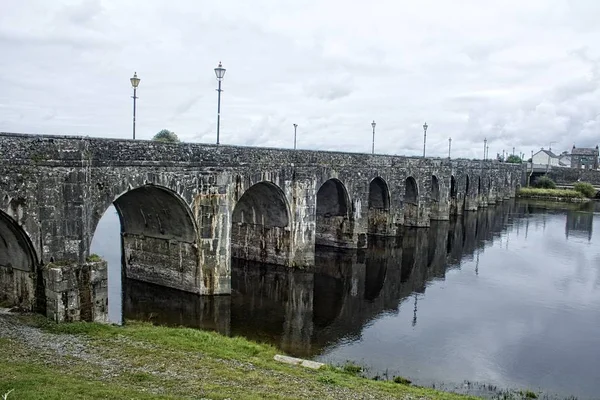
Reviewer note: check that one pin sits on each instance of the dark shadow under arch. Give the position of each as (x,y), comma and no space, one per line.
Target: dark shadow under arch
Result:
(262,204)
(333,199)
(453,188)
(156,212)
(411,193)
(379,195)
(16,249)
(379,207)
(260,225)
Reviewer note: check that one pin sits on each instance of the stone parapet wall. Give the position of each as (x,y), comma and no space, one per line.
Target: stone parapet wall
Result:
(569,176)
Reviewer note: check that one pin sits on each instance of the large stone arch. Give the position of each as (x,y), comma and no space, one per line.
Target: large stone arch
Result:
(333,211)
(261,225)
(159,238)
(18,265)
(379,207)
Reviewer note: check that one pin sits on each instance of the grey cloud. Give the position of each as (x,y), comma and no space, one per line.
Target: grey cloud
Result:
(520,76)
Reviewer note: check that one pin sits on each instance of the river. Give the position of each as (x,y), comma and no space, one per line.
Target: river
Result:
(504,298)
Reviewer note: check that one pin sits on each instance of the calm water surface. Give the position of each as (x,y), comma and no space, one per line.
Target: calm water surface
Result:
(508,296)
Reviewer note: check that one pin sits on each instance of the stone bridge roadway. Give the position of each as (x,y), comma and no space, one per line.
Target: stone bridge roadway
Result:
(187,208)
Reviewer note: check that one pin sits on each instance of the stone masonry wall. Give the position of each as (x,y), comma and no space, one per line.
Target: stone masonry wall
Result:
(57,188)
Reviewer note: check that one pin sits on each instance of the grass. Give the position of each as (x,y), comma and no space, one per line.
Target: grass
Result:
(93,258)
(549,193)
(146,361)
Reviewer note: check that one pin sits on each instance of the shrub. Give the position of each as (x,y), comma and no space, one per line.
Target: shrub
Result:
(402,380)
(585,189)
(545,183)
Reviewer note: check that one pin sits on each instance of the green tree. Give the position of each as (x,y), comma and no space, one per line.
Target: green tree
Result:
(514,159)
(167,136)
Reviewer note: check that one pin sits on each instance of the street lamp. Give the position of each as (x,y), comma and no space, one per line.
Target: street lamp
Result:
(135,81)
(449,146)
(484,147)
(424,137)
(295,126)
(373,143)
(220,72)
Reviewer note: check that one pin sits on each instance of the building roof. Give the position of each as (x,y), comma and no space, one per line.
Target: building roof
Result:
(548,152)
(584,151)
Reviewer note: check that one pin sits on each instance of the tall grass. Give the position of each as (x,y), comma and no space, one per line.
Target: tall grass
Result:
(550,193)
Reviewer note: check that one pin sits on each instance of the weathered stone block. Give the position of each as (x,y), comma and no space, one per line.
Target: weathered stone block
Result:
(76,292)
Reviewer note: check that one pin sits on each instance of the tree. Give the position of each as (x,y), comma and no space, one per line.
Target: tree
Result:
(166,136)
(514,159)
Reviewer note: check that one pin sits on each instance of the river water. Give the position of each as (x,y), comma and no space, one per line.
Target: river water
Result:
(504,298)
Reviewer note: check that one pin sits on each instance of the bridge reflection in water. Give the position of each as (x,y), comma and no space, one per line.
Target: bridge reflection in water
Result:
(303,312)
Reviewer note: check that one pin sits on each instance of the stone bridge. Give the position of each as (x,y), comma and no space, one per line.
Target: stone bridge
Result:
(186,209)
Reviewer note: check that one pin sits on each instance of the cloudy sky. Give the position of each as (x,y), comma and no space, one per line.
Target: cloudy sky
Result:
(519,73)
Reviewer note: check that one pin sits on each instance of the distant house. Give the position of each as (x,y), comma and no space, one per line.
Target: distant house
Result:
(584,157)
(564,159)
(545,157)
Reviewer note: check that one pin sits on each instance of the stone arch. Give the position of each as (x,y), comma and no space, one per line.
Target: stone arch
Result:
(158,238)
(379,207)
(263,203)
(333,199)
(439,207)
(379,194)
(18,266)
(156,212)
(260,225)
(411,191)
(334,226)
(16,249)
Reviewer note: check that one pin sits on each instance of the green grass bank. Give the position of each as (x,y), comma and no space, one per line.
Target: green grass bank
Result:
(43,360)
(565,195)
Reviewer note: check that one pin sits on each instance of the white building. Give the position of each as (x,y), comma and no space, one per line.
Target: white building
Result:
(546,157)
(564,160)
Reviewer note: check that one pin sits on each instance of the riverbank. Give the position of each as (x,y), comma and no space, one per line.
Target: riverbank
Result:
(560,195)
(41,359)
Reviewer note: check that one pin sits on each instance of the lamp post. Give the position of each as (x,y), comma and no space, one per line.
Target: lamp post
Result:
(373,142)
(220,73)
(487,152)
(135,81)
(484,147)
(424,137)
(449,146)
(295,126)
